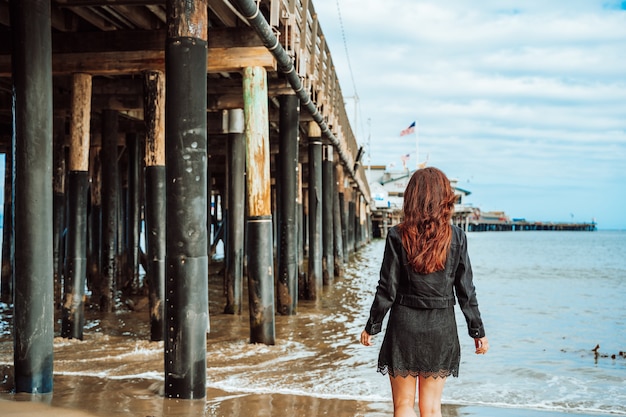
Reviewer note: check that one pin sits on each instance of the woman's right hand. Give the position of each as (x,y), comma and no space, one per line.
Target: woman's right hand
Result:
(482,345)
(366,338)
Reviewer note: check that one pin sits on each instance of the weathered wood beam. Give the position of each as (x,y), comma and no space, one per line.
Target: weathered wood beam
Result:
(157,11)
(95,19)
(135,62)
(84,3)
(131,52)
(133,40)
(223,13)
(139,16)
(62,21)
(4,15)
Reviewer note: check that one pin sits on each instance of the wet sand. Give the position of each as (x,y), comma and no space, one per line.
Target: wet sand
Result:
(222,404)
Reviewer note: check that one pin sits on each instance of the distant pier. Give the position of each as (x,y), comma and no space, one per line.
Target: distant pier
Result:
(477,221)
(387,189)
(526,225)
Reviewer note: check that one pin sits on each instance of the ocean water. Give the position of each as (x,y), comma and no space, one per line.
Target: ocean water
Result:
(547,300)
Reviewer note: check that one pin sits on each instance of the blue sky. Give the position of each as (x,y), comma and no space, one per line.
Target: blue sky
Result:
(524,102)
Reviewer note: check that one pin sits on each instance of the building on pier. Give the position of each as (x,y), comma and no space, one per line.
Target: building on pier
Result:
(387,190)
(116,114)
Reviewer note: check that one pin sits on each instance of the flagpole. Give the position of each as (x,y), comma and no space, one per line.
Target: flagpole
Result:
(417,145)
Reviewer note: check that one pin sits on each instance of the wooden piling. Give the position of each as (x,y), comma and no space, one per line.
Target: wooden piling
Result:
(343,210)
(33,321)
(315,278)
(287,281)
(133,210)
(94,234)
(110,189)
(301,235)
(349,221)
(337,222)
(58,206)
(328,190)
(236,187)
(260,248)
(186,284)
(154,118)
(75,276)
(8,247)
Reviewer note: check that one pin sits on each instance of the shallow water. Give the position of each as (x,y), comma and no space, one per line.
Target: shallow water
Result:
(547,299)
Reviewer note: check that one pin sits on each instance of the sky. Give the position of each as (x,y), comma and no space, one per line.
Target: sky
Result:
(523,102)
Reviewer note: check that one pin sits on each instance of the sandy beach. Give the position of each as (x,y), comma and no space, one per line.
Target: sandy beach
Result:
(223,404)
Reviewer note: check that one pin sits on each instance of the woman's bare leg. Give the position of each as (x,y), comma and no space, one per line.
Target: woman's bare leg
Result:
(430,390)
(403,392)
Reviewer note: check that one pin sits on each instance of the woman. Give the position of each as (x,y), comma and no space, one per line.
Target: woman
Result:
(424,265)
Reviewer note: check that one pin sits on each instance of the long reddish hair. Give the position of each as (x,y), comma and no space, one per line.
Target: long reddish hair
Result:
(426,231)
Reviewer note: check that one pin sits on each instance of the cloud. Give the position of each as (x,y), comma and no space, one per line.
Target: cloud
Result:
(519,96)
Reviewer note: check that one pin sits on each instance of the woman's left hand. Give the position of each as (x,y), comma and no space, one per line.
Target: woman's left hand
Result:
(482,345)
(366,338)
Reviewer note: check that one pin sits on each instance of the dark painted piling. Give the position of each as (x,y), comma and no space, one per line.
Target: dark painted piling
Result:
(337,223)
(260,246)
(75,275)
(351,224)
(287,281)
(315,278)
(186,286)
(32,211)
(235,221)
(155,247)
(209,213)
(341,195)
(94,235)
(301,235)
(154,117)
(58,205)
(133,210)
(110,189)
(358,229)
(73,306)
(328,190)
(6,282)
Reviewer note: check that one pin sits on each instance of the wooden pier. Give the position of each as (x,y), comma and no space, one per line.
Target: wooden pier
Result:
(195,121)
(477,221)
(387,188)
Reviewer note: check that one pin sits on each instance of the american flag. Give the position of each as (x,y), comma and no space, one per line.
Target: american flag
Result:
(408,130)
(405,158)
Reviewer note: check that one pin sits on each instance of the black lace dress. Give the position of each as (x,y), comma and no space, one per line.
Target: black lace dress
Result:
(421,336)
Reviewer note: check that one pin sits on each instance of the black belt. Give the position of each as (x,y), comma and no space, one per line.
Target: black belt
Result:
(416,301)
